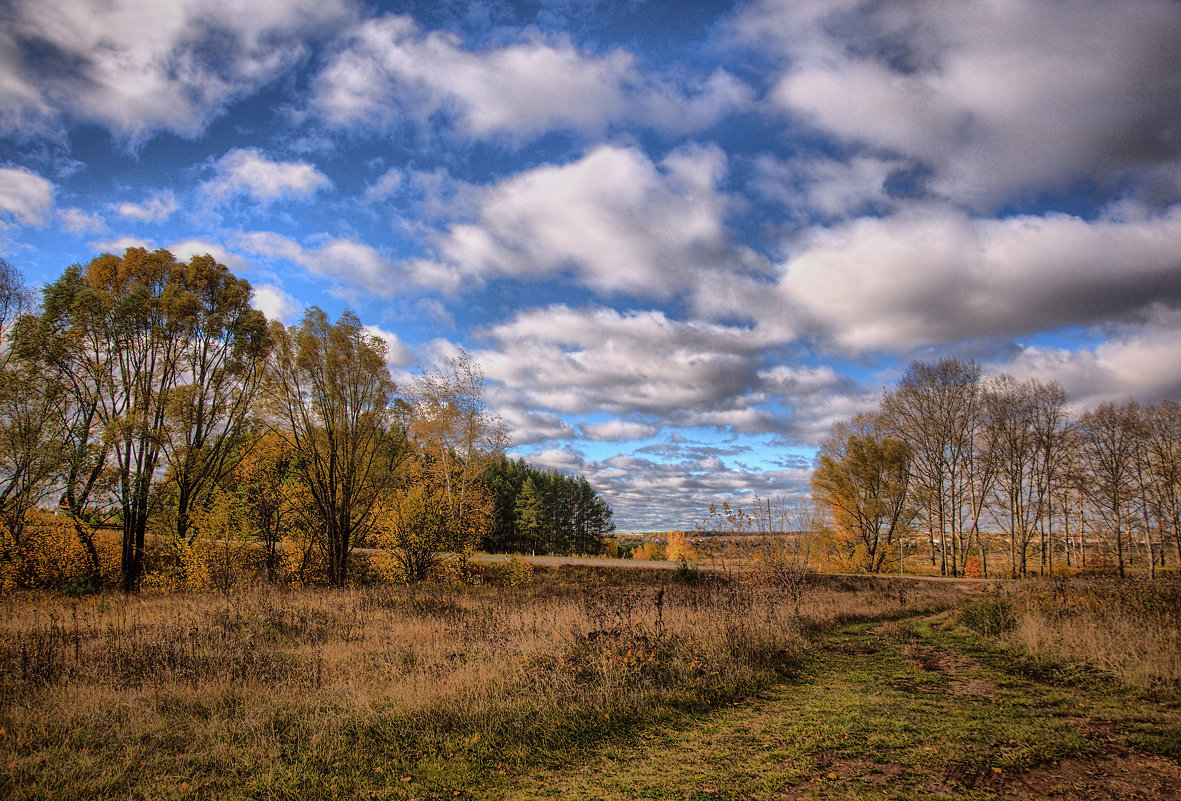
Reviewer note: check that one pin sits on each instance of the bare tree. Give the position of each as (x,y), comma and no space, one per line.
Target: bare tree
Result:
(935,411)
(1108,439)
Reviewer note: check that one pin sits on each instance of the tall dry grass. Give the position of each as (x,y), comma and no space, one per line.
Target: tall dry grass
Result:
(1129,629)
(266,693)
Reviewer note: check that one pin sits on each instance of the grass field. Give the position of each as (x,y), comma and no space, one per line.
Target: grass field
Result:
(584,683)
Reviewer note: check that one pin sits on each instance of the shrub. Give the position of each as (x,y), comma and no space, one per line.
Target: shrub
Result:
(991,615)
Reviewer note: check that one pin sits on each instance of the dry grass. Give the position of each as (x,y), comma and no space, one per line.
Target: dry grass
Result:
(1129,629)
(265,693)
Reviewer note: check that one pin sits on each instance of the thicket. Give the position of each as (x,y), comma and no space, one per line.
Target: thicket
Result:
(150,418)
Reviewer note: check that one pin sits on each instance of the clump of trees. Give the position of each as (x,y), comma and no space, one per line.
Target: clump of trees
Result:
(545,512)
(144,395)
(977,465)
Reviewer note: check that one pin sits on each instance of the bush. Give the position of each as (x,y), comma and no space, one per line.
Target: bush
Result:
(991,616)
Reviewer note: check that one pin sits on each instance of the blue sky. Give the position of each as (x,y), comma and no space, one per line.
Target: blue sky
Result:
(681,238)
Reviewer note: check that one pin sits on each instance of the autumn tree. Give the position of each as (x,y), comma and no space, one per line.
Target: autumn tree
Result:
(331,396)
(457,439)
(30,444)
(224,344)
(1025,425)
(862,475)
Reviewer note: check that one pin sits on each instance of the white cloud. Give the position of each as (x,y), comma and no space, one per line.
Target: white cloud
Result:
(384,186)
(1142,361)
(398,353)
(587,361)
(348,261)
(996,98)
(825,188)
(276,303)
(25,195)
(188,248)
(618,431)
(932,276)
(77,221)
(140,66)
(390,71)
(248,172)
(614,219)
(121,243)
(157,208)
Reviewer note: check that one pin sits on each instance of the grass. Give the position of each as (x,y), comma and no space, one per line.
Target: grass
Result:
(905,710)
(1126,631)
(384,692)
(594,683)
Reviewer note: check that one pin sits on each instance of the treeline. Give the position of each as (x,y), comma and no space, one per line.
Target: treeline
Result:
(545,512)
(145,395)
(983,467)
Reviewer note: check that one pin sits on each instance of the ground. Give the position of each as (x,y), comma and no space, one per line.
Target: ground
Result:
(907,709)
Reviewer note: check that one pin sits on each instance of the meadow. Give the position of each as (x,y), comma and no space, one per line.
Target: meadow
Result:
(521,685)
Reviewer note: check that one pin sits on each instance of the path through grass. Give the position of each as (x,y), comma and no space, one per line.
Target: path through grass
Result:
(900,710)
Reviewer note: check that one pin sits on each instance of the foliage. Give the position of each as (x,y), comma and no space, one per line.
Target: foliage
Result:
(51,555)
(545,512)
(332,395)
(863,477)
(679,549)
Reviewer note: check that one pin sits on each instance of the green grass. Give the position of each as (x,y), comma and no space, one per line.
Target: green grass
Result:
(897,713)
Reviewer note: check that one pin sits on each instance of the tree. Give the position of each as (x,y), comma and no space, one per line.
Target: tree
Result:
(1159,474)
(935,411)
(863,476)
(530,514)
(1109,441)
(458,440)
(141,346)
(30,442)
(117,319)
(332,396)
(224,345)
(1025,434)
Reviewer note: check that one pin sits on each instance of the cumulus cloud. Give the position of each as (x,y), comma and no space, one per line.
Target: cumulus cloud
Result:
(823,188)
(932,276)
(276,303)
(248,172)
(672,488)
(78,221)
(188,248)
(384,186)
(1142,361)
(120,244)
(25,195)
(583,361)
(390,71)
(614,219)
(994,98)
(345,260)
(618,431)
(398,353)
(157,208)
(140,66)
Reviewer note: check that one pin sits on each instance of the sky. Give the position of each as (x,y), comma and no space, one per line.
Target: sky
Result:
(681,238)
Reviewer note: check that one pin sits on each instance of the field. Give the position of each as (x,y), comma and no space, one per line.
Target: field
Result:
(596,683)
